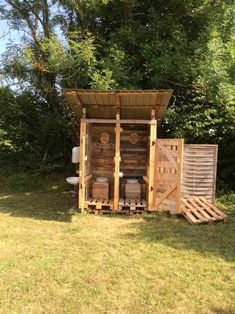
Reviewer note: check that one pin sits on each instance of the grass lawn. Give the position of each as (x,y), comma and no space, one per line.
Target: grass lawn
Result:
(55,262)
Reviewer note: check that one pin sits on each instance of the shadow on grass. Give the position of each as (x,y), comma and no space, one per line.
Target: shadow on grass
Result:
(217,239)
(38,205)
(217,310)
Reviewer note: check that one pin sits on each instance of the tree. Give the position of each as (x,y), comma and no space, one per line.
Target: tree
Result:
(184,45)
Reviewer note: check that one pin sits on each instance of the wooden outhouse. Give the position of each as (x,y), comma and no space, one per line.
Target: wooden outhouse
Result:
(118,142)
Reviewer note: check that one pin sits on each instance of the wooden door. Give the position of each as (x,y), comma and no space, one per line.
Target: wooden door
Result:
(168,174)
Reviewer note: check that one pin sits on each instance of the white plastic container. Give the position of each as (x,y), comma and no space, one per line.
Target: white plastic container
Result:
(75,155)
(102,179)
(132,181)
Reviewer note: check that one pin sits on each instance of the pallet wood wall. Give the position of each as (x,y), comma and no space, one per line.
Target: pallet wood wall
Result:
(168,174)
(102,155)
(199,171)
(134,155)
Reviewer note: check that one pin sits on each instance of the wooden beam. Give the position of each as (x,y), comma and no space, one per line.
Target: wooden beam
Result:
(164,195)
(152,145)
(169,156)
(144,93)
(117,102)
(215,173)
(120,93)
(146,179)
(179,175)
(87,178)
(82,166)
(122,121)
(89,157)
(152,151)
(117,159)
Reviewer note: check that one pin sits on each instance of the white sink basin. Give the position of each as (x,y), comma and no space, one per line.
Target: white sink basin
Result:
(72,180)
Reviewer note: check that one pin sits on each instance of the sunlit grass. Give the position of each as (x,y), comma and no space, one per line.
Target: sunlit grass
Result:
(55,262)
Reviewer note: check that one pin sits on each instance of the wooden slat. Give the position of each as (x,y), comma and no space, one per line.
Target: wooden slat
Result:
(152,151)
(189,216)
(82,166)
(194,210)
(208,209)
(117,158)
(199,210)
(169,158)
(199,170)
(123,121)
(213,207)
(164,195)
(179,175)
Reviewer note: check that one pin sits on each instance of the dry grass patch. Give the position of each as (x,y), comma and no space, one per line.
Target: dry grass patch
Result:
(55,262)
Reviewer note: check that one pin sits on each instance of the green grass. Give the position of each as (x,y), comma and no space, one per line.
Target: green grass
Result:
(52,261)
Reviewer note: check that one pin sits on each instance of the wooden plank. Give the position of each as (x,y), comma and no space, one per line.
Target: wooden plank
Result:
(189,216)
(133,191)
(168,155)
(168,192)
(151,175)
(179,175)
(82,166)
(117,160)
(122,121)
(200,209)
(100,190)
(169,158)
(199,170)
(208,209)
(146,179)
(213,207)
(87,178)
(194,210)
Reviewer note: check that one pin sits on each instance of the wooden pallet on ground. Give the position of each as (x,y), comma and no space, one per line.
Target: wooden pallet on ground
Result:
(134,206)
(95,204)
(199,210)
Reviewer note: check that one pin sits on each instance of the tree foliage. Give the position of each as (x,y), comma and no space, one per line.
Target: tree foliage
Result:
(184,45)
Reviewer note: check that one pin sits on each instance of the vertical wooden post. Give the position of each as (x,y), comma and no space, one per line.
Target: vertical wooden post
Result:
(82,169)
(117,157)
(179,176)
(152,151)
(89,149)
(215,174)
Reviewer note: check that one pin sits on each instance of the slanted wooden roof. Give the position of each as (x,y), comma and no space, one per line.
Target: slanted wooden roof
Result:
(133,104)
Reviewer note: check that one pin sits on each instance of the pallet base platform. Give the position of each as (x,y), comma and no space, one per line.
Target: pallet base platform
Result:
(105,206)
(199,210)
(126,212)
(98,204)
(132,205)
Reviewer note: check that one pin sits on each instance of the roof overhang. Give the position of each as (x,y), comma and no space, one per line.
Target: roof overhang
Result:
(133,104)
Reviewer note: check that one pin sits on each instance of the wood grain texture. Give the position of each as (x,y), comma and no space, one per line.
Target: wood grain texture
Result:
(168,174)
(100,190)
(117,157)
(152,160)
(199,210)
(199,171)
(133,191)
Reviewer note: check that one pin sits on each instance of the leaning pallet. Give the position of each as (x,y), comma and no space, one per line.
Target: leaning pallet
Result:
(199,210)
